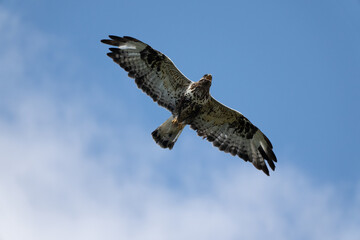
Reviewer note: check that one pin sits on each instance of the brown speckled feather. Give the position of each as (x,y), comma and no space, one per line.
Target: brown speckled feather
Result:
(154,72)
(231,132)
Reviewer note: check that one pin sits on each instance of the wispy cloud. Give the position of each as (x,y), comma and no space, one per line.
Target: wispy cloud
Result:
(64,174)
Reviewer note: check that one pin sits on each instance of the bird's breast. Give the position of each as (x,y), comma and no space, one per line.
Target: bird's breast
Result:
(197,94)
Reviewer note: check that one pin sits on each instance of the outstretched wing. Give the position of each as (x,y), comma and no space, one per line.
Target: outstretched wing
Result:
(231,132)
(154,72)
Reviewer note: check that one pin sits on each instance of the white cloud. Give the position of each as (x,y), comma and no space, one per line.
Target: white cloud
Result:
(53,185)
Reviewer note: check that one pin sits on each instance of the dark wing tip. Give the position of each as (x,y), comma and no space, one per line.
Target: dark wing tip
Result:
(114,49)
(110,42)
(266,170)
(267,141)
(272,155)
(111,54)
(261,165)
(272,165)
(123,39)
(269,156)
(116,38)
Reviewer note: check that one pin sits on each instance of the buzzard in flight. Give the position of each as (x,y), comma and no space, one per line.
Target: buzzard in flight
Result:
(190,103)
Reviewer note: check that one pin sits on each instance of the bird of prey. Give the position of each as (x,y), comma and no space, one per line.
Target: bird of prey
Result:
(190,103)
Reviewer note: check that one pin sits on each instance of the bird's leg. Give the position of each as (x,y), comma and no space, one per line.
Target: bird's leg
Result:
(175,120)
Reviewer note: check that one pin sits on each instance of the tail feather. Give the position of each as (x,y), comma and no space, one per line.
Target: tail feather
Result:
(167,134)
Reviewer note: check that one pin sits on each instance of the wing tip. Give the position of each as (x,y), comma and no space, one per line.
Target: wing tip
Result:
(269,156)
(117,41)
(266,170)
(110,42)
(114,38)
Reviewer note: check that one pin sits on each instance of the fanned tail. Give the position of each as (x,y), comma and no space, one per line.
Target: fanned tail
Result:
(168,132)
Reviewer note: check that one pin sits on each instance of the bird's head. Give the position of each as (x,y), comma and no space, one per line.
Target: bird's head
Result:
(205,82)
(207,77)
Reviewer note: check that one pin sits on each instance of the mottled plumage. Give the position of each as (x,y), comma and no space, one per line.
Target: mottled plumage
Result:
(190,104)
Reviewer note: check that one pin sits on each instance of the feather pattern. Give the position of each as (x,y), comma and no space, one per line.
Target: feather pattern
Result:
(153,72)
(231,132)
(190,103)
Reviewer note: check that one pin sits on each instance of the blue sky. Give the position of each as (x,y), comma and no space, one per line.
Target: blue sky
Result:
(76,155)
